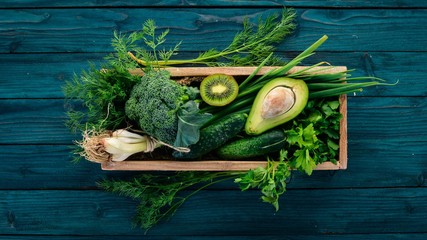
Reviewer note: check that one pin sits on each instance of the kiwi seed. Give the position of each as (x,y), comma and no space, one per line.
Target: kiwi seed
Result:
(219,89)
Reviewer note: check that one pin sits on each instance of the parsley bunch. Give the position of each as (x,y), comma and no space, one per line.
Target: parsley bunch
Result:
(313,136)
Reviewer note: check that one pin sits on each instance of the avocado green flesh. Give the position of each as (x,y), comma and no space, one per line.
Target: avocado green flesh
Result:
(279,101)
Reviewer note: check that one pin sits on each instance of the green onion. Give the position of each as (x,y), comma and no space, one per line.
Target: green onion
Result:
(320,84)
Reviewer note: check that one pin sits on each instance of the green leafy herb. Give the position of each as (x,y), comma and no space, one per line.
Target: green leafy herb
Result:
(271,180)
(97,97)
(304,158)
(313,136)
(249,47)
(160,195)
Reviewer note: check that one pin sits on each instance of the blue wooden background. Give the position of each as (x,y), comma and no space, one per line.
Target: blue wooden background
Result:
(382,195)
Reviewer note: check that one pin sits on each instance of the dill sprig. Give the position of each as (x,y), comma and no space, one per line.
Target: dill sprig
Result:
(96,97)
(249,47)
(161,195)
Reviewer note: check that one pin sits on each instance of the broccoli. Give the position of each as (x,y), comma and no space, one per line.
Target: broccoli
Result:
(154,102)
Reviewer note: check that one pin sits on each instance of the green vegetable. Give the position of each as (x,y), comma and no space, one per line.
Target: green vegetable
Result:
(248,147)
(271,180)
(214,136)
(153,103)
(96,98)
(312,138)
(335,84)
(114,146)
(280,100)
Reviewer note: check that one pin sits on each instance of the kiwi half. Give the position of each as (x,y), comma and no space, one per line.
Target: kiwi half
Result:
(219,89)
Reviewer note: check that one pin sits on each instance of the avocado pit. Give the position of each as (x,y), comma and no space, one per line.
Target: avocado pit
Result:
(278,101)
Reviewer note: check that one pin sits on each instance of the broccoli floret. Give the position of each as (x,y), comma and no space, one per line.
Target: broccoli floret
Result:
(153,104)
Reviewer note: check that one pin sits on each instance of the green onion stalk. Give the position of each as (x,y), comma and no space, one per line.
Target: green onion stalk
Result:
(320,84)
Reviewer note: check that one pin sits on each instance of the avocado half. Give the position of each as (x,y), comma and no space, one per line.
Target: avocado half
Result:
(278,101)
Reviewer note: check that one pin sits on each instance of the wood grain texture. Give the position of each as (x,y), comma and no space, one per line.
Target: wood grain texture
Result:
(211,165)
(235,71)
(43,75)
(380,196)
(41,121)
(339,211)
(391,164)
(214,3)
(396,157)
(33,122)
(90,30)
(329,236)
(45,167)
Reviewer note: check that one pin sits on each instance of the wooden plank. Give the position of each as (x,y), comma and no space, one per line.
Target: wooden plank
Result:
(90,30)
(391,164)
(234,71)
(338,211)
(267,236)
(29,167)
(215,3)
(33,122)
(211,165)
(43,75)
(45,167)
(366,118)
(41,121)
(399,155)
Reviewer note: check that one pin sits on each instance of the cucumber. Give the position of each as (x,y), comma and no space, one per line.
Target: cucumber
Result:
(269,142)
(215,135)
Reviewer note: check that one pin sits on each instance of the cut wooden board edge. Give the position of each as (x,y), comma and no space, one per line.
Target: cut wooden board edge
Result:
(231,165)
(235,71)
(205,165)
(343,143)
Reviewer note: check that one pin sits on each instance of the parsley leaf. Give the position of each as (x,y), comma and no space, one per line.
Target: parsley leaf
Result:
(270,179)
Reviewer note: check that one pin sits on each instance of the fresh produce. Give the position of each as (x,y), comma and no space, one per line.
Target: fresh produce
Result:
(219,89)
(279,101)
(303,130)
(271,180)
(101,95)
(115,146)
(214,136)
(312,137)
(265,144)
(160,196)
(154,102)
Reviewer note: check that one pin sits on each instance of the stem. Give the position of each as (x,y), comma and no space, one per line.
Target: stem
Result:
(242,85)
(199,59)
(176,205)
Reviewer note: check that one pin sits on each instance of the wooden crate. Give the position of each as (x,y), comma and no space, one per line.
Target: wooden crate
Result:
(223,164)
